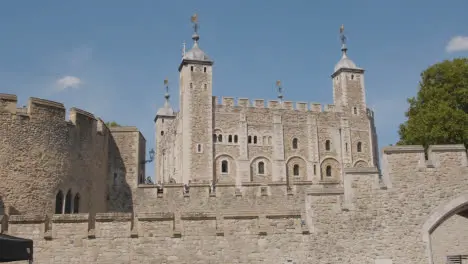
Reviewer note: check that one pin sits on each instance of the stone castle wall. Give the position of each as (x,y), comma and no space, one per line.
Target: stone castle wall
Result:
(392,219)
(41,154)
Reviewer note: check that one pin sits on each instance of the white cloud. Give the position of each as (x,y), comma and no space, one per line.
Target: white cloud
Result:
(68,82)
(458,43)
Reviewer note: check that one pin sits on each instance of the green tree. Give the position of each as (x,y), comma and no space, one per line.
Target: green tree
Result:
(439,112)
(112,124)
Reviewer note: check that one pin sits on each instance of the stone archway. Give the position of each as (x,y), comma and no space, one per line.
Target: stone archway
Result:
(454,208)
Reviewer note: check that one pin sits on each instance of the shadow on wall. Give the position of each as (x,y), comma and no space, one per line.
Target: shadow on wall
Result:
(119,192)
(2,206)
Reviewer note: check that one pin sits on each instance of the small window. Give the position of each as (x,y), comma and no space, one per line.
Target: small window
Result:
(327,145)
(235,139)
(220,138)
(264,140)
(255,139)
(269,140)
(359,147)
(205,86)
(224,166)
(355,110)
(191,85)
(346,147)
(76,204)
(59,202)
(162,133)
(250,139)
(215,137)
(294,143)
(230,139)
(261,167)
(68,202)
(352,76)
(204,69)
(115,177)
(199,148)
(328,171)
(315,169)
(191,68)
(296,170)
(162,120)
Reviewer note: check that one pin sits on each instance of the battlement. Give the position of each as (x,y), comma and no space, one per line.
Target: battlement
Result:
(41,110)
(231,102)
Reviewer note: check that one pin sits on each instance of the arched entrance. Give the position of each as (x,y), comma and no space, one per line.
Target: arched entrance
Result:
(445,232)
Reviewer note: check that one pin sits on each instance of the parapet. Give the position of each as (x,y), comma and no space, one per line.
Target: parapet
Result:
(41,110)
(231,102)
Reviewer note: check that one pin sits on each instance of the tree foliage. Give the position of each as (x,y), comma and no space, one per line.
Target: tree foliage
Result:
(112,124)
(438,114)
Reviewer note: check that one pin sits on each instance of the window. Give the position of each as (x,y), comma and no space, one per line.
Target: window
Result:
(261,167)
(191,85)
(68,202)
(250,139)
(315,169)
(224,166)
(269,140)
(115,177)
(296,170)
(255,139)
(346,147)
(235,139)
(220,138)
(204,70)
(162,133)
(294,143)
(328,171)
(76,204)
(205,86)
(59,202)
(191,68)
(352,76)
(230,139)
(359,147)
(355,110)
(199,149)
(327,145)
(215,137)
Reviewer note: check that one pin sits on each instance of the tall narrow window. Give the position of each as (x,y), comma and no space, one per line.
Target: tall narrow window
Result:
(205,87)
(294,143)
(199,148)
(327,145)
(191,85)
(59,202)
(328,171)
(296,170)
(162,133)
(204,69)
(224,166)
(346,147)
(235,139)
(359,147)
(315,169)
(68,202)
(230,139)
(255,139)
(261,167)
(355,110)
(191,68)
(220,138)
(76,204)
(269,140)
(215,137)
(250,139)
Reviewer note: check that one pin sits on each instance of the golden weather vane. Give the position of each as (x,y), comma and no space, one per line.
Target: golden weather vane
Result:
(195,18)
(341,29)
(278,83)
(166,81)
(342,35)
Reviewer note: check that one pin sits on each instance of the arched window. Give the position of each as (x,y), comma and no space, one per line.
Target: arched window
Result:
(220,138)
(224,166)
(162,133)
(250,139)
(76,204)
(215,137)
(199,148)
(327,145)
(59,202)
(355,110)
(328,171)
(296,170)
(255,139)
(235,139)
(359,147)
(230,139)
(204,70)
(315,169)
(191,68)
(68,202)
(261,167)
(265,140)
(294,143)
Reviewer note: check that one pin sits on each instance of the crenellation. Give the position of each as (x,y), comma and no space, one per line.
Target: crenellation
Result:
(228,101)
(259,103)
(243,102)
(274,104)
(288,105)
(302,106)
(316,107)
(329,108)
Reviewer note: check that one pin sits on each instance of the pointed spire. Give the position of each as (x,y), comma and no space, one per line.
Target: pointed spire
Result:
(344,49)
(166,95)
(166,110)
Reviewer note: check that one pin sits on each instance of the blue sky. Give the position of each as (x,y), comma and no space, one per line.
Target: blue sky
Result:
(110,57)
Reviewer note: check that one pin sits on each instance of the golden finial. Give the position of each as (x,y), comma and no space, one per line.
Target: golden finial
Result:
(341,29)
(195,18)
(278,83)
(166,81)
